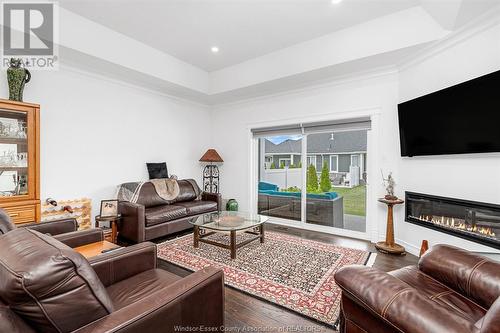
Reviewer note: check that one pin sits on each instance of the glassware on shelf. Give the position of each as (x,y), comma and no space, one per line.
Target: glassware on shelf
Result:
(22,159)
(16,130)
(11,159)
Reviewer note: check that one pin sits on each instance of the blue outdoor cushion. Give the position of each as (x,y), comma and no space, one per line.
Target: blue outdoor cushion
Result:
(263,186)
(324,196)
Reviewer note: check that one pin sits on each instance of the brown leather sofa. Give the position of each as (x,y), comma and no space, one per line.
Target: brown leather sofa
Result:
(48,287)
(153,217)
(65,230)
(449,291)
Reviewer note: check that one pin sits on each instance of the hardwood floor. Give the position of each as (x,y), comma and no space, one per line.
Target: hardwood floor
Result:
(254,315)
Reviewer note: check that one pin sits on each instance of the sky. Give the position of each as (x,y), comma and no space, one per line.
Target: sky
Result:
(280,138)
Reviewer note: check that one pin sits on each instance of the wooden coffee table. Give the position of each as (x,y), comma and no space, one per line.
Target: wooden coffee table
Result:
(95,249)
(228,222)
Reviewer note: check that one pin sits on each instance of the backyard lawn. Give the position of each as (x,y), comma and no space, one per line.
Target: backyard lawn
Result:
(354,199)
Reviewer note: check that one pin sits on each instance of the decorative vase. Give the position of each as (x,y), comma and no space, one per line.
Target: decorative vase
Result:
(17,77)
(232,205)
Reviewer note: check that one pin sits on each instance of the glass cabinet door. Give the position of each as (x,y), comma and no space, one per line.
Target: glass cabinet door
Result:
(14,154)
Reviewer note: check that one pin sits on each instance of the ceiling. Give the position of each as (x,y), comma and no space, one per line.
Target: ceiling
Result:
(242,29)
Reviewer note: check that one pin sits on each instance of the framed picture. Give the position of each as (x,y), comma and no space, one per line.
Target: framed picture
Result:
(109,208)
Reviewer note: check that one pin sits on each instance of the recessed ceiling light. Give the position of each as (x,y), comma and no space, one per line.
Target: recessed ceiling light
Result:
(336,2)
(214,49)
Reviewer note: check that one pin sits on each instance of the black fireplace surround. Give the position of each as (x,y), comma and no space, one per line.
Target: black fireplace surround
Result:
(475,221)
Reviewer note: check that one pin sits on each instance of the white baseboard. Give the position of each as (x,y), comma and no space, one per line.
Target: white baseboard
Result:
(371,260)
(410,248)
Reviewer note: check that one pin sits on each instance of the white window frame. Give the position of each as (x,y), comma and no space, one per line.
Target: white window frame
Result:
(313,160)
(336,164)
(359,160)
(284,159)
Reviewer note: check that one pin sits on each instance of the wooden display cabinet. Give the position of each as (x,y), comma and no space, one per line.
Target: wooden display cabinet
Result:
(20,160)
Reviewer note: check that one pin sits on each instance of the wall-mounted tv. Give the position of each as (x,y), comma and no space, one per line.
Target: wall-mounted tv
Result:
(461,119)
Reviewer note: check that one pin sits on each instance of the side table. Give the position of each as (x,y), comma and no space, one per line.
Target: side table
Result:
(389,246)
(113,221)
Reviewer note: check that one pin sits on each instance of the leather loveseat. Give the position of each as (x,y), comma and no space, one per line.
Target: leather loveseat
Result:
(48,287)
(449,291)
(152,217)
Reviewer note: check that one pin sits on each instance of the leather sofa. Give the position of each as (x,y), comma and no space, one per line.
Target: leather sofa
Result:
(48,287)
(65,230)
(450,290)
(153,217)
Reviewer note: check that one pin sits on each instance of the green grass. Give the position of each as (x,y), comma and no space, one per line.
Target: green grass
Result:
(354,199)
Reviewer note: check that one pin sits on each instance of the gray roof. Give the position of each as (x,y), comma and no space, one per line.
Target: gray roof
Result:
(322,143)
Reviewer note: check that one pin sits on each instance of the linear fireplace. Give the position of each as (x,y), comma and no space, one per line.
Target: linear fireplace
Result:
(475,221)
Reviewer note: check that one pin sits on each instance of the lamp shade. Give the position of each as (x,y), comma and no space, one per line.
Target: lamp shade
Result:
(211,156)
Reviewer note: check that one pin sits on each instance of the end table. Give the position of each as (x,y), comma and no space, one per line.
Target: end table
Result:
(389,246)
(113,221)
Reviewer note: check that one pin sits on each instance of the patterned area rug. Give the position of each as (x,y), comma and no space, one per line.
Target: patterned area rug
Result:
(286,270)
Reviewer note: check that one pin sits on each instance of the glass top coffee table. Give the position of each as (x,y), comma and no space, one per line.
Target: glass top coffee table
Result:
(228,223)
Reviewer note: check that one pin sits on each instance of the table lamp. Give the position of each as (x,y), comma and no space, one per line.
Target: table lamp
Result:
(211,171)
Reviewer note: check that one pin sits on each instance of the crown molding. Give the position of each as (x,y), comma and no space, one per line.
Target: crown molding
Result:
(322,84)
(123,83)
(480,24)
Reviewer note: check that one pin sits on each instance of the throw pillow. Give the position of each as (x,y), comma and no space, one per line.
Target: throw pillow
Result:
(157,170)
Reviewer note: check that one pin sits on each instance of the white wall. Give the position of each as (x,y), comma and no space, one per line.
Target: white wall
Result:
(377,94)
(472,177)
(97,133)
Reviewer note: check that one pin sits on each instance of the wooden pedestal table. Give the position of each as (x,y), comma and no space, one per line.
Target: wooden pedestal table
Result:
(389,246)
(113,221)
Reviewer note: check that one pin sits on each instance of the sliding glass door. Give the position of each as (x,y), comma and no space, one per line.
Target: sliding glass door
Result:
(336,180)
(280,178)
(315,178)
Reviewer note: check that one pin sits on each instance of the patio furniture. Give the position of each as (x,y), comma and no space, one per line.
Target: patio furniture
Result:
(347,179)
(322,209)
(228,222)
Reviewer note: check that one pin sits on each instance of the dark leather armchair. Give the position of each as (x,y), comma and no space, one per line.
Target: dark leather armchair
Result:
(65,230)
(451,290)
(55,289)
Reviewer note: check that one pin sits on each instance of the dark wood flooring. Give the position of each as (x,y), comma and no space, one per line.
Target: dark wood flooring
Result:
(246,312)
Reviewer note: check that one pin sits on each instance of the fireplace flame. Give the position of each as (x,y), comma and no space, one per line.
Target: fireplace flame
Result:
(451,222)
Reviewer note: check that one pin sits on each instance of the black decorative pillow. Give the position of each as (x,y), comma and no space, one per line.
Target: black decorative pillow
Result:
(157,170)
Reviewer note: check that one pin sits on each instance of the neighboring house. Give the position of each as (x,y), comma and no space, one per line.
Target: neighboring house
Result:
(340,151)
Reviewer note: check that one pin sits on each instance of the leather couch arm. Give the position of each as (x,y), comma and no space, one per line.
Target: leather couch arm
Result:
(471,275)
(124,262)
(194,301)
(491,321)
(132,223)
(82,237)
(55,227)
(396,303)
(217,197)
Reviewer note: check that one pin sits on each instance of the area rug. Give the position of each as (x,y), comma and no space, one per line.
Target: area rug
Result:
(286,270)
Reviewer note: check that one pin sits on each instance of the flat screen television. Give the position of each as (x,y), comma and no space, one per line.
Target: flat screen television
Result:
(461,119)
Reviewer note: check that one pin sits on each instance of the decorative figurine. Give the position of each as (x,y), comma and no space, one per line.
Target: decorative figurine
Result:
(17,77)
(389,185)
